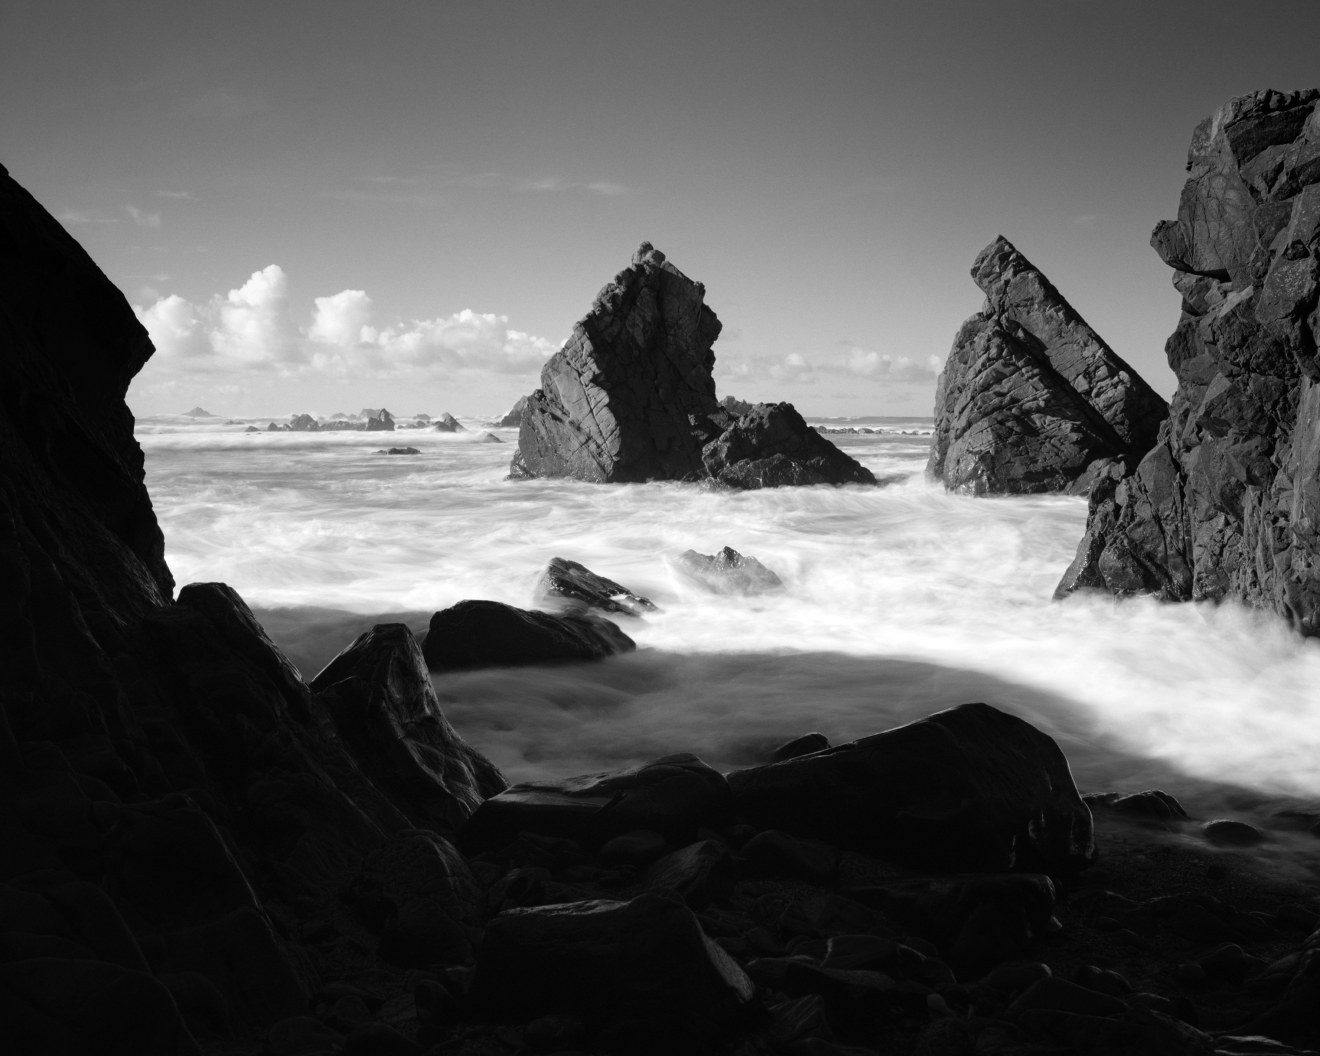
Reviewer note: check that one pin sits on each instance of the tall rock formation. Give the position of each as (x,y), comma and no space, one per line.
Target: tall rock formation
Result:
(172,794)
(631,398)
(1227,504)
(1031,397)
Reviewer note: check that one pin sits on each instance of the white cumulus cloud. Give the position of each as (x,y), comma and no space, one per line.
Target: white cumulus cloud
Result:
(254,329)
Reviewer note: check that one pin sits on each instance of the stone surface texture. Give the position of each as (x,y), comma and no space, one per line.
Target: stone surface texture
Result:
(631,397)
(1030,398)
(1227,504)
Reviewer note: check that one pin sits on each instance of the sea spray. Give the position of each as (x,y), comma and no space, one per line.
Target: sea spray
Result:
(897,601)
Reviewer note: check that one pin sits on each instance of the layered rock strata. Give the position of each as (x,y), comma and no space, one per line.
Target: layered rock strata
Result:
(1228,501)
(1031,399)
(631,398)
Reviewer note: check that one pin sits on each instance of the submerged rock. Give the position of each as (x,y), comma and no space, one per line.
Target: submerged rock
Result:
(728,572)
(1030,397)
(969,788)
(630,397)
(492,634)
(569,581)
(1226,504)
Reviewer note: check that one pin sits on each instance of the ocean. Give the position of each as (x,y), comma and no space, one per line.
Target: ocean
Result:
(898,601)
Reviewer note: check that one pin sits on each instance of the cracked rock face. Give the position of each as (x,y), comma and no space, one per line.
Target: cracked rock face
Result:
(1031,399)
(1228,501)
(631,398)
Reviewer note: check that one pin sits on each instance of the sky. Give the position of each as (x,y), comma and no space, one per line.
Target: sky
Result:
(319,206)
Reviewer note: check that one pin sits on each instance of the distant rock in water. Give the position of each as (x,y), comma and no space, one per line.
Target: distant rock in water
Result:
(630,397)
(1227,504)
(379,421)
(565,580)
(198,412)
(398,451)
(515,416)
(447,423)
(728,572)
(1031,399)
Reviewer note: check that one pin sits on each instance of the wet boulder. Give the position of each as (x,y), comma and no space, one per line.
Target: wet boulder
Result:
(492,634)
(447,423)
(379,696)
(971,788)
(728,572)
(569,582)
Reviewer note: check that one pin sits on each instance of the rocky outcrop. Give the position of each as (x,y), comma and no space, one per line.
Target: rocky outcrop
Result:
(514,418)
(479,633)
(447,423)
(573,585)
(1031,399)
(630,397)
(1226,504)
(969,788)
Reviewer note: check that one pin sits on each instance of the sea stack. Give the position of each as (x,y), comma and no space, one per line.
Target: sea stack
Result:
(1031,399)
(1228,502)
(631,397)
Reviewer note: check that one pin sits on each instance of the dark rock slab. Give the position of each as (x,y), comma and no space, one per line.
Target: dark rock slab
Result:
(728,572)
(771,447)
(630,397)
(1030,397)
(673,796)
(1225,505)
(447,423)
(515,416)
(642,975)
(968,788)
(565,580)
(492,634)
(379,695)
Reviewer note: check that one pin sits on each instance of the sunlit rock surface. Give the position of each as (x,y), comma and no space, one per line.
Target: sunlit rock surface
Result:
(631,398)
(1031,399)
(1227,504)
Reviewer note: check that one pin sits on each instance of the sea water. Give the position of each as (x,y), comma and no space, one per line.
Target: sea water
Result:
(898,600)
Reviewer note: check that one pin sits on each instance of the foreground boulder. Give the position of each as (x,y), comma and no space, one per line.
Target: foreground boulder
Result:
(1030,398)
(379,694)
(1227,503)
(972,788)
(641,975)
(674,796)
(573,583)
(492,634)
(631,397)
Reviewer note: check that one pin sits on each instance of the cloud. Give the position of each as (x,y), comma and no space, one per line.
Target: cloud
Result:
(555,185)
(182,196)
(75,216)
(141,217)
(859,362)
(253,330)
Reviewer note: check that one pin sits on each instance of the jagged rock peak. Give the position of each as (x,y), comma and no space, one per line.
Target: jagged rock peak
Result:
(1031,398)
(1226,502)
(631,397)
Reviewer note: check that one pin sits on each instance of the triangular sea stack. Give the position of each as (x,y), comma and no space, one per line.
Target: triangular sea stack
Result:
(1227,503)
(1031,399)
(630,397)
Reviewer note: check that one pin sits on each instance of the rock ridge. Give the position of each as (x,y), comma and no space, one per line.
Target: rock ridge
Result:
(1031,399)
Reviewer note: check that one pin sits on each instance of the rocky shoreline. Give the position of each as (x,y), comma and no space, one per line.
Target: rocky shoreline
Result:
(207,852)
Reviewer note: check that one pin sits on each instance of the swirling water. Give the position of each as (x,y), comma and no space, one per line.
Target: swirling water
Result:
(898,601)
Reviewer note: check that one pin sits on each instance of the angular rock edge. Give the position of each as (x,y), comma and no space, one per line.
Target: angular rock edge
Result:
(1031,399)
(631,398)
(1227,503)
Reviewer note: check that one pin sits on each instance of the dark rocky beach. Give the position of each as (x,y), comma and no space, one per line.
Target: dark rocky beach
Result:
(212,847)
